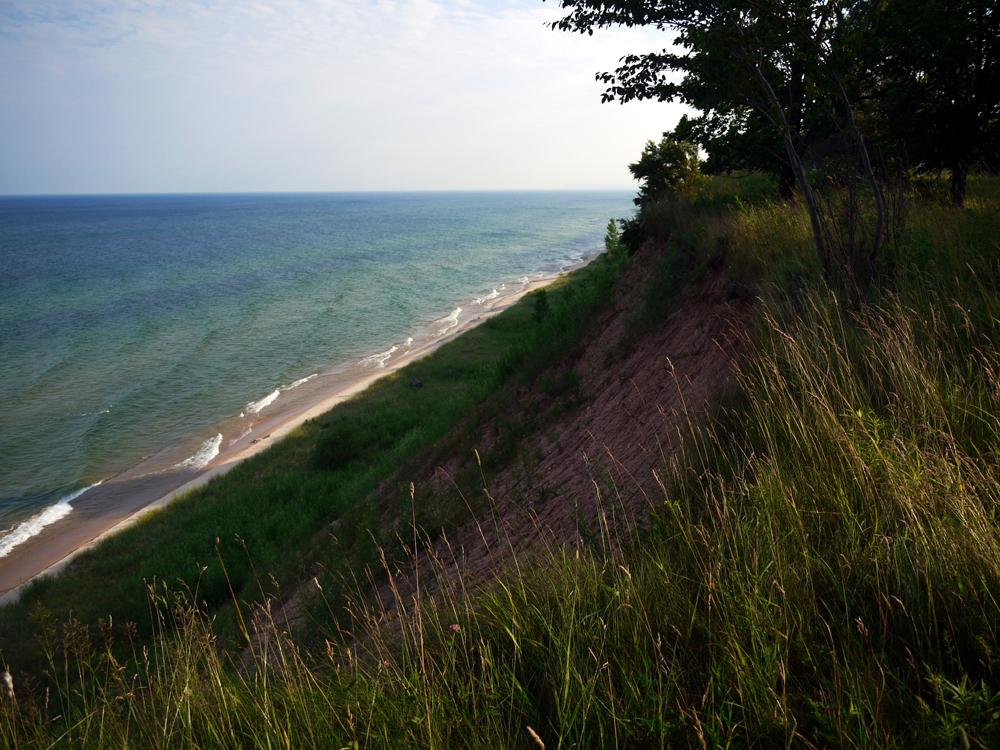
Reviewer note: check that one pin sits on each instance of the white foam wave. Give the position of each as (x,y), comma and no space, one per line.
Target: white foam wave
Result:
(208,450)
(378,360)
(486,298)
(95,413)
(409,342)
(300,381)
(451,321)
(256,407)
(34,525)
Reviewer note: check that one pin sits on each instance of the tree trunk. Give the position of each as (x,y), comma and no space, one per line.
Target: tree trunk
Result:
(795,163)
(959,177)
(870,175)
(796,95)
(786,182)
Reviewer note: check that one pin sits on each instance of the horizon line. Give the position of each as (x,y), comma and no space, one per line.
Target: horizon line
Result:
(313,192)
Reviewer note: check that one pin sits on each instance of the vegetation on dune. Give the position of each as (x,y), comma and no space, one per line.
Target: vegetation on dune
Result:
(267,520)
(823,562)
(823,569)
(670,167)
(840,101)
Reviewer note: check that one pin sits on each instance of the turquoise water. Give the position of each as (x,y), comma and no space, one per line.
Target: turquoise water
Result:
(129,324)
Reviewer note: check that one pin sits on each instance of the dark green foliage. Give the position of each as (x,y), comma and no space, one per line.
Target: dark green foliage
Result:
(358,437)
(959,709)
(659,295)
(541,310)
(632,235)
(920,81)
(668,168)
(755,73)
(613,245)
(737,189)
(936,82)
(561,385)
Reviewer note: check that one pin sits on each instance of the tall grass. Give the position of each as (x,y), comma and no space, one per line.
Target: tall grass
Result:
(824,569)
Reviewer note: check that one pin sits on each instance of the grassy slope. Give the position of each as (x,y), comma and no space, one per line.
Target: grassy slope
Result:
(824,569)
(261,518)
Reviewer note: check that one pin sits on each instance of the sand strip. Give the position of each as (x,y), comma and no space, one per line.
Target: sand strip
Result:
(123,501)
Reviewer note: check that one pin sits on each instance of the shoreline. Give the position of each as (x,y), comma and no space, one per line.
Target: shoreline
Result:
(126,499)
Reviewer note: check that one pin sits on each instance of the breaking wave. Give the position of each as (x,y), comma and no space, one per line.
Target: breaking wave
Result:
(378,360)
(208,450)
(300,381)
(451,321)
(30,527)
(256,407)
(95,413)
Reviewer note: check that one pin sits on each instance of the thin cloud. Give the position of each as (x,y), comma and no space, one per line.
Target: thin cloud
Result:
(313,95)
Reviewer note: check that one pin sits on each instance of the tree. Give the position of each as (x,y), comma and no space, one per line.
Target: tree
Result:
(670,166)
(613,241)
(937,81)
(738,140)
(766,77)
(720,49)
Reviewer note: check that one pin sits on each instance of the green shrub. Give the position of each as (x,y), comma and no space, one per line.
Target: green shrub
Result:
(355,437)
(561,385)
(541,308)
(667,168)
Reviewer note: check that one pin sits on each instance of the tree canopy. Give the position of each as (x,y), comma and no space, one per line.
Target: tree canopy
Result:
(665,167)
(938,89)
(774,80)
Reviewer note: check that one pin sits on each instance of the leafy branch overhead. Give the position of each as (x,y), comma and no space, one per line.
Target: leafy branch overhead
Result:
(830,97)
(923,78)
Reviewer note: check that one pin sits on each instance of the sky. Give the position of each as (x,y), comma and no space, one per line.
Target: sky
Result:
(260,95)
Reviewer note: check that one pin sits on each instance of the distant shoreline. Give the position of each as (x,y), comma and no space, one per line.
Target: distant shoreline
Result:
(122,501)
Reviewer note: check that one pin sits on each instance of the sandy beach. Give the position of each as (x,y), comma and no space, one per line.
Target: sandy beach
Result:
(124,500)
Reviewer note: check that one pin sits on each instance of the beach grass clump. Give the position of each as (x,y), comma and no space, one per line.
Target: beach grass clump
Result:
(845,537)
(822,570)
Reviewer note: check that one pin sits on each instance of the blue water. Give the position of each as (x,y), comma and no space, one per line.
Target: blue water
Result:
(131,323)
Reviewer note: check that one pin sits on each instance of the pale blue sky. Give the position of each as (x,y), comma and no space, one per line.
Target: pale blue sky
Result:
(243,95)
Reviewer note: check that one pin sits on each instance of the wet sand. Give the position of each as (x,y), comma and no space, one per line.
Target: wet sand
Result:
(125,499)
